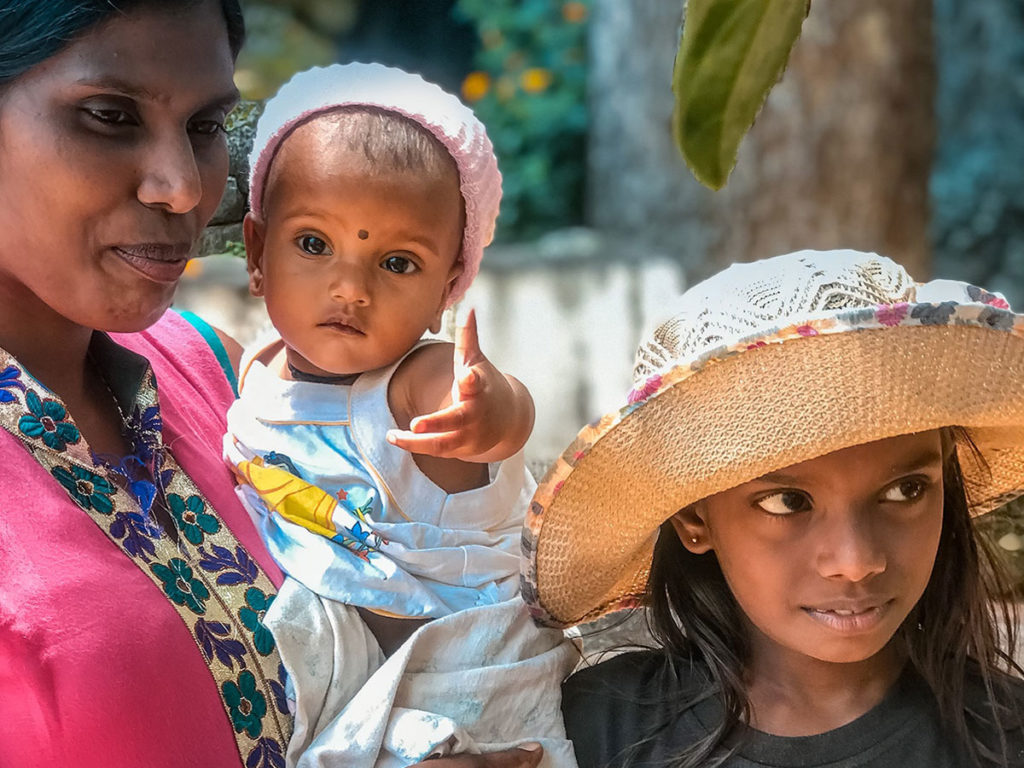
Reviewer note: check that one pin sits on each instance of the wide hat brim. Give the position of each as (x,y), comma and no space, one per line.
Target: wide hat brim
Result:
(756,406)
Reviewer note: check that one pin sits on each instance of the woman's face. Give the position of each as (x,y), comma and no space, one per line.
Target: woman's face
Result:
(828,557)
(112,160)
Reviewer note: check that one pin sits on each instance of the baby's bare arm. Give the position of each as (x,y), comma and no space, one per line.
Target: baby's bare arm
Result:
(460,406)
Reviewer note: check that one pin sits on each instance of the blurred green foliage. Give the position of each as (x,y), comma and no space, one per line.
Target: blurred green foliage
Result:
(529,89)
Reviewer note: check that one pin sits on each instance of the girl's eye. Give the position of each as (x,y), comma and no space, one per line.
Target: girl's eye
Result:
(785,503)
(398,264)
(313,245)
(905,490)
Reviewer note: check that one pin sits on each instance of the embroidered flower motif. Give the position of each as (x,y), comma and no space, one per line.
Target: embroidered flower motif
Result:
(47,420)
(191,517)
(807,330)
(644,391)
(10,378)
(257,604)
(934,314)
(892,314)
(179,585)
(89,490)
(266,754)
(246,705)
(756,344)
(144,425)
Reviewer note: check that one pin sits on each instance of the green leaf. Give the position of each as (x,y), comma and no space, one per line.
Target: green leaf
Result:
(732,53)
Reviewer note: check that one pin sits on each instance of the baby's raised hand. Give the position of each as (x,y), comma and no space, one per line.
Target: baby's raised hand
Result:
(490,415)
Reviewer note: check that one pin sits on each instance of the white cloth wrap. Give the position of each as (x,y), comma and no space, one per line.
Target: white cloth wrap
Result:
(479,680)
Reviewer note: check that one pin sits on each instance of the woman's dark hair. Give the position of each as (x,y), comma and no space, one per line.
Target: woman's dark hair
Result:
(32,31)
(959,629)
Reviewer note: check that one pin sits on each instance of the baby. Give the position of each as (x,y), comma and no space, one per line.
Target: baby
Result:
(385,471)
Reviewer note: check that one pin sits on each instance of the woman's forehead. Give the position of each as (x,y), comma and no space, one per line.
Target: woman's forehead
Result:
(153,52)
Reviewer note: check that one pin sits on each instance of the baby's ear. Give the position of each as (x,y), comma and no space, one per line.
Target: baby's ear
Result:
(453,276)
(691,529)
(254,231)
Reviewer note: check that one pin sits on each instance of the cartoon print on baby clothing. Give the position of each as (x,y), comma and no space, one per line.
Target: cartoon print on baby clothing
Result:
(286,493)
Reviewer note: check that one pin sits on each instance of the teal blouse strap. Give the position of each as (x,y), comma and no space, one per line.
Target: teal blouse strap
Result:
(206,331)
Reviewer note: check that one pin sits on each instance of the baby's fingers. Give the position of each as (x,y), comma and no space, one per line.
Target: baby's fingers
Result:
(448,419)
(440,444)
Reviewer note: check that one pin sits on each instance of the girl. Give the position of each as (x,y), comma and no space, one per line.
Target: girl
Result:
(789,490)
(373,195)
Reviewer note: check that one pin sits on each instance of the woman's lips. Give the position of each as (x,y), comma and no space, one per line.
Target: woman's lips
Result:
(157,262)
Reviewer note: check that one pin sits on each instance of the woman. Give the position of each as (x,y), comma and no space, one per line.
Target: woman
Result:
(132,585)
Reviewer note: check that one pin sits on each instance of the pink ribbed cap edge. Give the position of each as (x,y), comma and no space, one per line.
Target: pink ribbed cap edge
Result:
(322,89)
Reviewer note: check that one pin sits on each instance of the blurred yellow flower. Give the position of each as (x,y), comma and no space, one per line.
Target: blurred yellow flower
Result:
(574,12)
(536,80)
(475,86)
(193,269)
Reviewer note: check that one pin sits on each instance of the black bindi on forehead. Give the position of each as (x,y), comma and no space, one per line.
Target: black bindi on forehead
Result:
(363,234)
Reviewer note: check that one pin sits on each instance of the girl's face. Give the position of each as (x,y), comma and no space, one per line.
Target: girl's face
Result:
(112,160)
(828,557)
(354,263)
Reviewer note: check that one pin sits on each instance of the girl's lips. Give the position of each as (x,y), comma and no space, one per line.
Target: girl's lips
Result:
(342,327)
(852,621)
(159,263)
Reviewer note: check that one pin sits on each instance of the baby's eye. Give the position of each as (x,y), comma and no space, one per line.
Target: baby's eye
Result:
(399,265)
(313,245)
(905,490)
(785,503)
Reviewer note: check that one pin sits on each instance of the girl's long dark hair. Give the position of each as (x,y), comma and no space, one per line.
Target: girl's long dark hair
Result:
(960,628)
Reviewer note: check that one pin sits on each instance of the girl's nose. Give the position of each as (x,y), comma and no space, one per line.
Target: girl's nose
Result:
(848,547)
(171,180)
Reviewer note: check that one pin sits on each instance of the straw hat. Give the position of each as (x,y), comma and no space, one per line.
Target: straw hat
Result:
(323,89)
(760,367)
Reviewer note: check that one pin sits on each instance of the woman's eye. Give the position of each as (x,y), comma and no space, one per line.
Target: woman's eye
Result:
(313,245)
(785,503)
(905,490)
(111,116)
(398,264)
(207,127)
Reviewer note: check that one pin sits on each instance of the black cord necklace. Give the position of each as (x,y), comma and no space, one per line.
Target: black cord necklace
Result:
(313,378)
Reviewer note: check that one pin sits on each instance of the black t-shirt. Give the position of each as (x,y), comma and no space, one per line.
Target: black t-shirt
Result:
(611,707)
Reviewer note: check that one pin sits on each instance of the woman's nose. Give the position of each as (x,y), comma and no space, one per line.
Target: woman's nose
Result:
(848,547)
(171,179)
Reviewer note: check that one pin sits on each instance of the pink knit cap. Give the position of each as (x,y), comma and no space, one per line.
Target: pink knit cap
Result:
(322,89)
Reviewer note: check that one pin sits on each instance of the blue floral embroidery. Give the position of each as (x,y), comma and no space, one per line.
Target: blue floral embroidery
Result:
(89,490)
(266,754)
(246,704)
(47,420)
(10,378)
(237,568)
(191,517)
(257,602)
(145,427)
(179,585)
(277,688)
(215,640)
(137,533)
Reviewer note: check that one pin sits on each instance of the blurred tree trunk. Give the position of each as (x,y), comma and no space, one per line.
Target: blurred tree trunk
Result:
(839,157)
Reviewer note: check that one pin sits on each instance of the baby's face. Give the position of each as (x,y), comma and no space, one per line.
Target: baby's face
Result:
(354,265)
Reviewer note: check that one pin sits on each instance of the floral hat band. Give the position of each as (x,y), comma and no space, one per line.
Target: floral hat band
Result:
(760,367)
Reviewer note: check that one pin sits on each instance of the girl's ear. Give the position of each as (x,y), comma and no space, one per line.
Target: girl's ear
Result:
(453,275)
(254,232)
(691,529)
